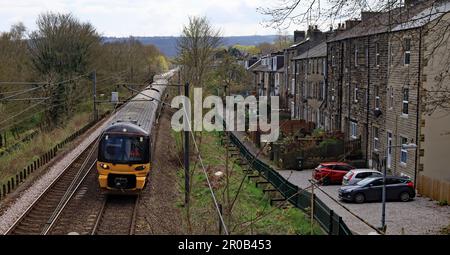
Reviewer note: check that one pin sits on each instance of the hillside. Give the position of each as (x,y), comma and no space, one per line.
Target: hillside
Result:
(167,45)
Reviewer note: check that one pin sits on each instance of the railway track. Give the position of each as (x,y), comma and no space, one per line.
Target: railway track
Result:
(117,216)
(41,216)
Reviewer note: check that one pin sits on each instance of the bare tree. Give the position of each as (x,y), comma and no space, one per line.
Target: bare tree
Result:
(196,48)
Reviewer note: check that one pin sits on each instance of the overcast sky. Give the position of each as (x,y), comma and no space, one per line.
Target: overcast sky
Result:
(143,17)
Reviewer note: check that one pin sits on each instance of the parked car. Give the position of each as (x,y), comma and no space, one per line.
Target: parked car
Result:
(371,189)
(331,172)
(356,175)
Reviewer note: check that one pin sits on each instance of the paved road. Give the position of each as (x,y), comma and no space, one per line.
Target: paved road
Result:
(420,216)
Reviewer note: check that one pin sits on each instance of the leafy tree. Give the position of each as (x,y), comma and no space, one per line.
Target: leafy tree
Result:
(61,49)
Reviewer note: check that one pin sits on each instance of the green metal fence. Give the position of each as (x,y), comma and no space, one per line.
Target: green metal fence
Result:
(327,218)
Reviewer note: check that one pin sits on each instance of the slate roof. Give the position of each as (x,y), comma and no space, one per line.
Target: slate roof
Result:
(385,20)
(319,50)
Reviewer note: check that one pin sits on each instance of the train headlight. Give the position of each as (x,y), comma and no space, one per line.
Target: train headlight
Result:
(104,166)
(139,168)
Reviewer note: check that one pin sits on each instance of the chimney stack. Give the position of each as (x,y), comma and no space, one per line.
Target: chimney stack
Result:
(365,16)
(299,36)
(351,23)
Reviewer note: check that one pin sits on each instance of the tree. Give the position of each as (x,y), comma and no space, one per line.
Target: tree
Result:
(196,48)
(61,49)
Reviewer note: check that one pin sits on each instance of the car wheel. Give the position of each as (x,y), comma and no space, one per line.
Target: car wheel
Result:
(326,181)
(359,198)
(405,197)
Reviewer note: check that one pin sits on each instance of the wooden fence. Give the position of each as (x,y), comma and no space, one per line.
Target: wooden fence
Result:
(14,181)
(435,189)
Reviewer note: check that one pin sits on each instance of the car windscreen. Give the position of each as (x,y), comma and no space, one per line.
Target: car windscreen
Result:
(120,149)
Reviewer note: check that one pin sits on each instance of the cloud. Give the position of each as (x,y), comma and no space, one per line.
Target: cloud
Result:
(142,17)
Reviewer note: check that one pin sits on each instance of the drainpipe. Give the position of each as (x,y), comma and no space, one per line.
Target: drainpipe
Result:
(368,103)
(295,90)
(418,107)
(340,87)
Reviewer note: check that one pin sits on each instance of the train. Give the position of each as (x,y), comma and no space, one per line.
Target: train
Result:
(125,146)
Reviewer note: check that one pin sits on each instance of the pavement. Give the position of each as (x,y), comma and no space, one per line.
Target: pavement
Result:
(420,216)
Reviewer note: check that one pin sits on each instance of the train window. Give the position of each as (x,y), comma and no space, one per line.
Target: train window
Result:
(124,149)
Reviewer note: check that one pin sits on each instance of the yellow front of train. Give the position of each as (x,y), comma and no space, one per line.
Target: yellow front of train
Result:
(124,158)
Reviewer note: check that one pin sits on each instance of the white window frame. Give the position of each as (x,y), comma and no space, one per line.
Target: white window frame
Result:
(403,152)
(391,98)
(407,52)
(323,90)
(356,55)
(353,130)
(377,99)
(324,66)
(355,94)
(405,102)
(377,54)
(376,139)
(391,54)
(292,86)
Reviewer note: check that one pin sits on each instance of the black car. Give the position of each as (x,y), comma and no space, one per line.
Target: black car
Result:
(371,189)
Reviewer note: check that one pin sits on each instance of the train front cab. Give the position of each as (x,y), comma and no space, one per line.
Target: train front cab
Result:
(123,158)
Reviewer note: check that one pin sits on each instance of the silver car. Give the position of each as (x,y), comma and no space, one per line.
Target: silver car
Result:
(356,175)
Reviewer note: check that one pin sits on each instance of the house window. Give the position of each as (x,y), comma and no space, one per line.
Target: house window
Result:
(317,66)
(391,98)
(356,55)
(323,90)
(292,86)
(407,56)
(366,56)
(377,98)
(405,104)
(333,61)
(376,139)
(332,94)
(324,66)
(353,130)
(355,94)
(377,54)
(391,54)
(403,152)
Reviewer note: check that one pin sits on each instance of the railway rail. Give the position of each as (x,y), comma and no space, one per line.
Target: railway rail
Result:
(41,216)
(117,216)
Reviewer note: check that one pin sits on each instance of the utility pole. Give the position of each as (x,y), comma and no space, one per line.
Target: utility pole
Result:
(186,152)
(94,81)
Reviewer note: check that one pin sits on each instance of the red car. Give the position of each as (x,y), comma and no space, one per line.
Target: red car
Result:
(331,172)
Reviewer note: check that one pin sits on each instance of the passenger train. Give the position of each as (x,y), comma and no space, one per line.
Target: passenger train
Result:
(125,146)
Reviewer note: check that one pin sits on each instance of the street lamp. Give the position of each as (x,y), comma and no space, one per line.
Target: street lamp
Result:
(406,146)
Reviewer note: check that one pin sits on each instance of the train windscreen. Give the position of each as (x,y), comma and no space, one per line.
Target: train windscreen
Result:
(120,149)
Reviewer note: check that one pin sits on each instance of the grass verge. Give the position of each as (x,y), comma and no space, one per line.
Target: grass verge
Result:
(251,213)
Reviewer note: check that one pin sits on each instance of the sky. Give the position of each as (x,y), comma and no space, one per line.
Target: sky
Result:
(122,18)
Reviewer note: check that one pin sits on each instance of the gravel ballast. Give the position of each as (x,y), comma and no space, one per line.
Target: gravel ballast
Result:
(27,196)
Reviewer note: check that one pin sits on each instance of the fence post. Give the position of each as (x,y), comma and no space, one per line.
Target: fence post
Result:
(4,189)
(339,225)
(13,183)
(17,180)
(28,169)
(312,208)
(21,177)
(24,173)
(9,186)
(330,224)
